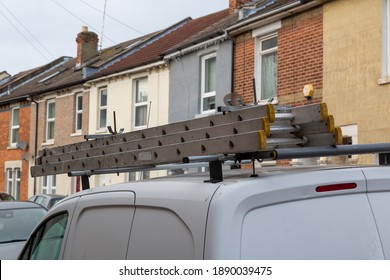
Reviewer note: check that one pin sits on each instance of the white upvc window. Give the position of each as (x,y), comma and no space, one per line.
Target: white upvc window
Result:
(50,120)
(209,83)
(79,112)
(140,103)
(102,108)
(267,67)
(15,124)
(385,42)
(13,182)
(49,184)
(139,175)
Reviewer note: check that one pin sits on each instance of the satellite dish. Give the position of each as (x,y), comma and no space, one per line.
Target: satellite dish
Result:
(233,99)
(21,145)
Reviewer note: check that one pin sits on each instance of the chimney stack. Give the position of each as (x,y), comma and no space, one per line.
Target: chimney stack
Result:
(87,45)
(236,4)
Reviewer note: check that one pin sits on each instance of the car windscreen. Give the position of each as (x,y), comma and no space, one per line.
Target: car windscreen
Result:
(17,224)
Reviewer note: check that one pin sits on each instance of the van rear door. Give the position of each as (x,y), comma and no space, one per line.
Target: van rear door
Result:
(101,227)
(378,185)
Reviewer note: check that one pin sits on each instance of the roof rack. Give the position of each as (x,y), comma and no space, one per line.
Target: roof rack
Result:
(238,133)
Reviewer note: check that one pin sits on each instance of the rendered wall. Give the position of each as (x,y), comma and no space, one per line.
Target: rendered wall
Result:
(185,81)
(352,67)
(120,98)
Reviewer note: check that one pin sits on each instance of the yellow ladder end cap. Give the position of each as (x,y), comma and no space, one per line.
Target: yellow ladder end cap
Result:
(262,141)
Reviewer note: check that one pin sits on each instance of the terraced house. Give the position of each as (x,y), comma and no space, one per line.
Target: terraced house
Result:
(80,96)
(339,48)
(284,52)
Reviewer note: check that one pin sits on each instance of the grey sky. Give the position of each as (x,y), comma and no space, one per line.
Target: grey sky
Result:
(34,32)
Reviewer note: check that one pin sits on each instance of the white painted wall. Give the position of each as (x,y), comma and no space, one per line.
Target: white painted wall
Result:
(120,94)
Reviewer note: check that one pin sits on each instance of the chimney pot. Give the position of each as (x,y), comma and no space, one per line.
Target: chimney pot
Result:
(87,45)
(236,4)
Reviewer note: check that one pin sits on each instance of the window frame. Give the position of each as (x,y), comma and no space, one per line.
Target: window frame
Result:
(50,120)
(49,184)
(260,53)
(204,94)
(102,108)
(385,61)
(78,112)
(137,105)
(14,128)
(12,178)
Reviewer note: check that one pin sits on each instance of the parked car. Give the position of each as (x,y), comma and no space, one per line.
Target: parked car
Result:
(6,197)
(282,213)
(47,200)
(17,220)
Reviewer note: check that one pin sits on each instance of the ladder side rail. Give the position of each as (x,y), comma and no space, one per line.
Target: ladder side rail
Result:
(239,143)
(317,127)
(160,141)
(305,114)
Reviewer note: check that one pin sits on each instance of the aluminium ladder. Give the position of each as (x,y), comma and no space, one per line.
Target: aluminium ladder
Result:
(249,132)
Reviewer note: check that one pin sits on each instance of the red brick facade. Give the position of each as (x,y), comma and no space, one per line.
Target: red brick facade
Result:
(244,66)
(8,154)
(300,59)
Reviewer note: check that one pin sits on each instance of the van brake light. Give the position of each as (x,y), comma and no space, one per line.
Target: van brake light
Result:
(336,187)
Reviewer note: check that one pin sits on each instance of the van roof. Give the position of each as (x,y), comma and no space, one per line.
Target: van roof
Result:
(187,185)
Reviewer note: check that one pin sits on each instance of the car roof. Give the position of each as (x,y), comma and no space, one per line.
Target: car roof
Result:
(19,205)
(51,195)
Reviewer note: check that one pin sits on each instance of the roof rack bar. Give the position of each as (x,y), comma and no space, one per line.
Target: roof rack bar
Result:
(216,174)
(85,182)
(208,158)
(307,152)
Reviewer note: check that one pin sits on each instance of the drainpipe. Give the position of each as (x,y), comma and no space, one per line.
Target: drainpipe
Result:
(36,139)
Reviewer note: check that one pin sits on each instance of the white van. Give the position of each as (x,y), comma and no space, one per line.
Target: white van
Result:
(283,213)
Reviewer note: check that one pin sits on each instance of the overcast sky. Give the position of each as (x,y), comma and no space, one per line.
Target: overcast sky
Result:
(35,32)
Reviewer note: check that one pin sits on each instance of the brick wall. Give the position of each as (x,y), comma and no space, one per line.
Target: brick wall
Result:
(244,66)
(300,59)
(12,154)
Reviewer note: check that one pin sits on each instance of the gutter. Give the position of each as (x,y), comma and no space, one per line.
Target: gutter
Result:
(130,71)
(201,45)
(15,99)
(273,15)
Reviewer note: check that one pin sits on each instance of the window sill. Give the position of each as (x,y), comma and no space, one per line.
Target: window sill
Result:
(51,143)
(384,81)
(12,148)
(78,133)
(274,101)
(100,130)
(205,114)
